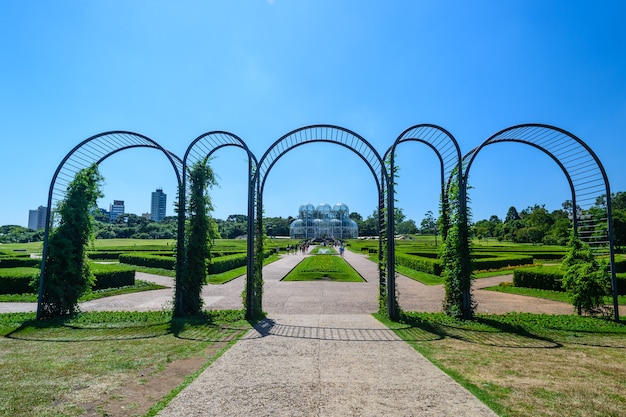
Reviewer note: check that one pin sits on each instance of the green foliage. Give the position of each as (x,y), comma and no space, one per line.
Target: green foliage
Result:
(150,260)
(17,280)
(456,258)
(539,277)
(586,281)
(419,263)
(67,275)
(19,262)
(112,276)
(200,233)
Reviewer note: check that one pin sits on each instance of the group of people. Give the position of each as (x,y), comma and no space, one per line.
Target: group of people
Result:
(304,247)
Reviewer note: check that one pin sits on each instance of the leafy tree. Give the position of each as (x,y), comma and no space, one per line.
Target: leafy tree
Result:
(200,234)
(428,224)
(511,215)
(67,275)
(586,281)
(407,227)
(356,216)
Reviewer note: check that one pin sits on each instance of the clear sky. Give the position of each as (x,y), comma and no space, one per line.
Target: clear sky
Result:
(261,68)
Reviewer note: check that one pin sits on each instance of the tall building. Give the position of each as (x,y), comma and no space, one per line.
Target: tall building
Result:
(157,210)
(37,218)
(116,209)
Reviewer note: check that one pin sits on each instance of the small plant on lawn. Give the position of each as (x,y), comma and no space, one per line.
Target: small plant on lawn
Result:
(201,231)
(67,275)
(586,280)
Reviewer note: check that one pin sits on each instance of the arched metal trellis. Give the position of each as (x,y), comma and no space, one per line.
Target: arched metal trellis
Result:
(448,153)
(201,149)
(92,150)
(585,175)
(364,150)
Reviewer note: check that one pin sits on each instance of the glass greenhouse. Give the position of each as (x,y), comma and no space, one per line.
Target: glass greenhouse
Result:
(322,222)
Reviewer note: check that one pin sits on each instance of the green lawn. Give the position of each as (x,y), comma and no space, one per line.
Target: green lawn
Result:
(324,267)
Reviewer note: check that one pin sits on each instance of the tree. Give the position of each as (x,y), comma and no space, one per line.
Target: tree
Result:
(407,227)
(511,215)
(67,275)
(586,281)
(200,234)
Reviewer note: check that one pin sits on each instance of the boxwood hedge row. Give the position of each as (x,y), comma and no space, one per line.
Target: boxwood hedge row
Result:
(19,262)
(20,280)
(539,277)
(150,260)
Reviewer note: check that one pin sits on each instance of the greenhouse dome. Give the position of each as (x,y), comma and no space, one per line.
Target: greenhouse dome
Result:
(323,222)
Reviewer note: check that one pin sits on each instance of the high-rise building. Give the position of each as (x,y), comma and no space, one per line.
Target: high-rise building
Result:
(116,209)
(37,218)
(157,210)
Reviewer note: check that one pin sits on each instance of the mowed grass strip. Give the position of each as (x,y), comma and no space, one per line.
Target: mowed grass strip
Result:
(323,267)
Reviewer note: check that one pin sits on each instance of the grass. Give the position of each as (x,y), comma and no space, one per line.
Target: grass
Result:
(63,368)
(525,365)
(323,267)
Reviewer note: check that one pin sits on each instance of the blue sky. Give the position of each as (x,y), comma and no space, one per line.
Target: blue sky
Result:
(259,69)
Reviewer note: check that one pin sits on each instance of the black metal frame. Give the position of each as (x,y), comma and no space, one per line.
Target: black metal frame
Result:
(92,150)
(201,149)
(362,148)
(448,152)
(582,169)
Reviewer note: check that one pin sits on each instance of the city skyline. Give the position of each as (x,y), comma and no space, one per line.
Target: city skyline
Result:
(372,67)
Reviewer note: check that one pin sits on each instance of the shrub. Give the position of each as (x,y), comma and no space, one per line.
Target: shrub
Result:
(419,263)
(148,259)
(501,261)
(539,277)
(17,280)
(112,276)
(20,262)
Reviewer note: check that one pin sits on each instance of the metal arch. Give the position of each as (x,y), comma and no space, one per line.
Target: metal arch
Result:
(583,170)
(321,133)
(201,149)
(448,152)
(343,137)
(94,149)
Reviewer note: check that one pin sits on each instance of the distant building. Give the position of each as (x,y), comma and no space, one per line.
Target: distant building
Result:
(37,218)
(323,222)
(116,209)
(146,216)
(157,208)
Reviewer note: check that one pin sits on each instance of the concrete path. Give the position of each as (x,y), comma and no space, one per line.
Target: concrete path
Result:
(323,365)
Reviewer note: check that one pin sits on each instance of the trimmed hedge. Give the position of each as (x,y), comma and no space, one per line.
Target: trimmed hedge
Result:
(501,261)
(104,255)
(539,277)
(149,260)
(20,262)
(112,276)
(17,280)
(226,263)
(419,263)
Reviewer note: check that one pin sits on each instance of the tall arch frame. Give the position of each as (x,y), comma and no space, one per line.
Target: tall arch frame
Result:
(585,175)
(368,154)
(92,150)
(201,149)
(448,153)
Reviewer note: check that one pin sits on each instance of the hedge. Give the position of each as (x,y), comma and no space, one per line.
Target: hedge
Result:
(539,277)
(418,263)
(501,261)
(149,260)
(112,276)
(17,280)
(20,262)
(226,263)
